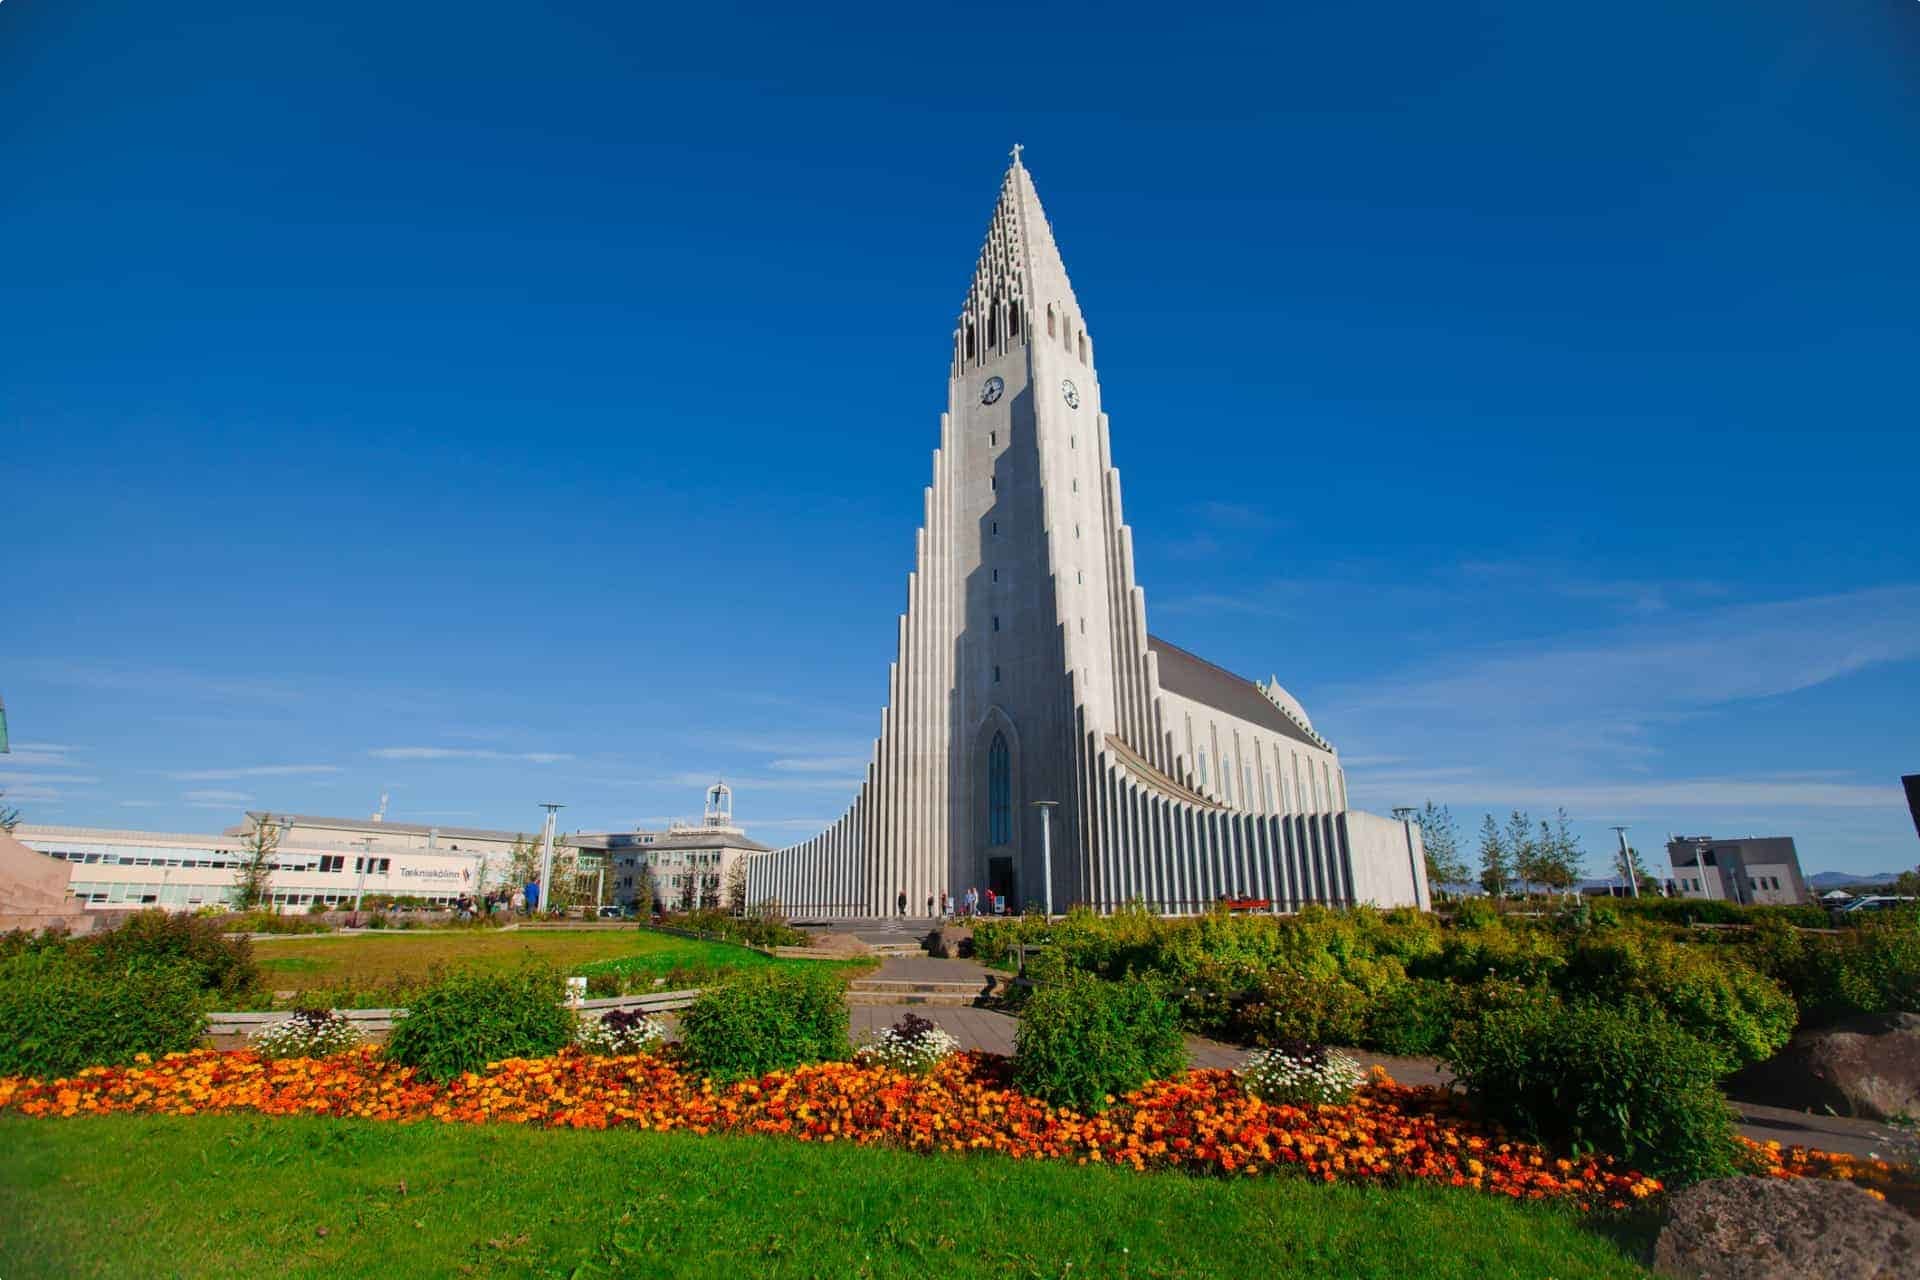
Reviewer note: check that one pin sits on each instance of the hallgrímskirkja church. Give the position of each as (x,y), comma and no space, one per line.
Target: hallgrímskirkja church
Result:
(1026,674)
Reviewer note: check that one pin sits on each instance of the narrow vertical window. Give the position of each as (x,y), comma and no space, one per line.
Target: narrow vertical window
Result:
(996,575)
(1079,578)
(1049,321)
(993,438)
(993,482)
(1203,768)
(996,622)
(996,675)
(999,792)
(996,528)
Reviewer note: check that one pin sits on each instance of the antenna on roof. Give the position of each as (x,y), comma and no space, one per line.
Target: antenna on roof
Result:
(380,814)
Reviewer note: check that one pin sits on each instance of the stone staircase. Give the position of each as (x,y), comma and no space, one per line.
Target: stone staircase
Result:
(925,991)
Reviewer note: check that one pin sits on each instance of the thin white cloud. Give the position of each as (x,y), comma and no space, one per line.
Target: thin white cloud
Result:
(34,753)
(216,799)
(255,771)
(820,764)
(468,753)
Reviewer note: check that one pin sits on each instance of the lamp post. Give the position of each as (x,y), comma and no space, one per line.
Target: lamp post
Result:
(546,856)
(1046,808)
(1626,862)
(360,886)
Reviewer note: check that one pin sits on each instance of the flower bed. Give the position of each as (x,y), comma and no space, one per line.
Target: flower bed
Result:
(1204,1121)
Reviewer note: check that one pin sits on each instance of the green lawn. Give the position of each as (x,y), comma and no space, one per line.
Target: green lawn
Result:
(247,1197)
(397,954)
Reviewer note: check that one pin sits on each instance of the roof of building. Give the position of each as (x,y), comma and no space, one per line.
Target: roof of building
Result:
(684,838)
(1192,676)
(369,824)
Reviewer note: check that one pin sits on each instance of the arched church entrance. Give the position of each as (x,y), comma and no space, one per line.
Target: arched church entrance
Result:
(996,854)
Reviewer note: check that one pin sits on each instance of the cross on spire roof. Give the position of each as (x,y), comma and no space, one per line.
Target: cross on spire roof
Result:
(1017,149)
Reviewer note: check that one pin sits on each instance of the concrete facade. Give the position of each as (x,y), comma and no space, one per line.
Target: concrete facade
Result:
(1752,869)
(109,869)
(1025,673)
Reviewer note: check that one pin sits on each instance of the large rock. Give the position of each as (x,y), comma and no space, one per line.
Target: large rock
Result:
(951,942)
(1785,1229)
(1867,1067)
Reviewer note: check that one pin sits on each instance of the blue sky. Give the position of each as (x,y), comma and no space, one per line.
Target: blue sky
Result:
(493,408)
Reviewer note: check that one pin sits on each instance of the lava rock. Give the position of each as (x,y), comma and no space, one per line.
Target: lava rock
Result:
(1867,1067)
(1785,1229)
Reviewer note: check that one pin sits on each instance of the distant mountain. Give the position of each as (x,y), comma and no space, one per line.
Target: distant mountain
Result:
(1825,880)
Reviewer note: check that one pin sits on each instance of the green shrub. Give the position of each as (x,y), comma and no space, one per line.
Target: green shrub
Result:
(763,1020)
(62,1012)
(1709,991)
(217,962)
(1083,1041)
(467,1020)
(1317,1008)
(1412,1018)
(1872,969)
(761,930)
(1625,1081)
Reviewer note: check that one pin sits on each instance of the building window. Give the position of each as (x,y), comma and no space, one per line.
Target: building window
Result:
(996,675)
(996,622)
(993,482)
(1203,768)
(996,575)
(1226,778)
(1079,578)
(993,438)
(996,528)
(999,792)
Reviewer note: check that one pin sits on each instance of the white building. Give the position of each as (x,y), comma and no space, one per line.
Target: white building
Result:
(1026,674)
(180,872)
(685,867)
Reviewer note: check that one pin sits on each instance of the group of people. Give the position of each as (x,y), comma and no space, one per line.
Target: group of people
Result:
(972,903)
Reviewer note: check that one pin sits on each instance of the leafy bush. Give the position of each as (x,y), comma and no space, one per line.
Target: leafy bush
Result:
(308,1033)
(1319,1008)
(274,922)
(913,1044)
(466,1020)
(1708,991)
(1718,911)
(617,1033)
(765,1020)
(62,1012)
(1873,969)
(1083,1041)
(747,931)
(1301,1075)
(1412,1018)
(1586,1077)
(217,962)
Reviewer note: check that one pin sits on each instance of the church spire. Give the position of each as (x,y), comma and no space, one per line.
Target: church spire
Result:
(1019,284)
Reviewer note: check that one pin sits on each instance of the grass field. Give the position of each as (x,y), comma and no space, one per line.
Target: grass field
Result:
(232,1196)
(395,954)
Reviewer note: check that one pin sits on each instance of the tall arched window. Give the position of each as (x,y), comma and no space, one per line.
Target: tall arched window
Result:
(999,793)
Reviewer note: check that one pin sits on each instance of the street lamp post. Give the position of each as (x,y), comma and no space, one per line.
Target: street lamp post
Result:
(546,856)
(1046,808)
(1626,862)
(360,886)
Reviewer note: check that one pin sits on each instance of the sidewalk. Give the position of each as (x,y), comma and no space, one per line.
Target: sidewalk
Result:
(993,1031)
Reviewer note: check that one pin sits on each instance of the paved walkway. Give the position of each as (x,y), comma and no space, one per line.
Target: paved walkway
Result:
(992,1030)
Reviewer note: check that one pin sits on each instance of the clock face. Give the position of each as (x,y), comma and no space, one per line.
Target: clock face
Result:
(1071,392)
(991,390)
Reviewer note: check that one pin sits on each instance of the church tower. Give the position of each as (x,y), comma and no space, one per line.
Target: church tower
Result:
(1026,674)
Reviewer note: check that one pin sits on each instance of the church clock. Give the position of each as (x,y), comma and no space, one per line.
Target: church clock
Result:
(991,390)
(1071,392)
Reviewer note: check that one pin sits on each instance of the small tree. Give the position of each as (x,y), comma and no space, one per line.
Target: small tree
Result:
(643,894)
(253,883)
(1496,862)
(1442,841)
(1557,855)
(1524,850)
(9,816)
(1631,867)
(734,892)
